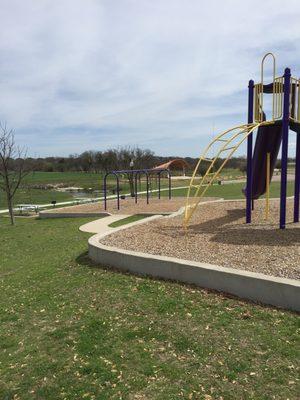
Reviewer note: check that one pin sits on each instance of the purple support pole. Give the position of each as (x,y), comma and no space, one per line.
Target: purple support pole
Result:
(170,185)
(249,202)
(284,146)
(159,185)
(136,189)
(118,192)
(147,183)
(297,180)
(104,188)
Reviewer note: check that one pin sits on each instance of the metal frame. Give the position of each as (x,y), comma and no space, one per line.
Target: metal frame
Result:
(297,180)
(169,181)
(105,188)
(285,107)
(284,146)
(249,202)
(137,173)
(232,143)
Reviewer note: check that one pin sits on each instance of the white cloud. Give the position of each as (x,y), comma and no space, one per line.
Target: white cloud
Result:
(80,74)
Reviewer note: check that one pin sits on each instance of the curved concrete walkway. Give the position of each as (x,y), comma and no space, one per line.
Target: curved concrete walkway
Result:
(101,225)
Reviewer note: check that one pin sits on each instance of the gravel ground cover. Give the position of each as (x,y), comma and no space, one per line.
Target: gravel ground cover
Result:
(128,206)
(218,235)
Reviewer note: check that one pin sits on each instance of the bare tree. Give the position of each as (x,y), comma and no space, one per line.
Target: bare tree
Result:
(12,166)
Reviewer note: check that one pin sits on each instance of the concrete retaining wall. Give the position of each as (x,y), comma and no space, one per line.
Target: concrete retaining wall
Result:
(257,287)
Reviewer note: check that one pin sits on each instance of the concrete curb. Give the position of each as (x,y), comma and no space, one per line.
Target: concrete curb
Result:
(279,292)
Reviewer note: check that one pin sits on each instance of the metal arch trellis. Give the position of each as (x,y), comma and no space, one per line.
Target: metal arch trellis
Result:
(136,173)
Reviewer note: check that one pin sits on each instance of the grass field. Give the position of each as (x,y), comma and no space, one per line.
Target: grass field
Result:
(28,194)
(85,180)
(71,330)
(77,179)
(35,196)
(234,190)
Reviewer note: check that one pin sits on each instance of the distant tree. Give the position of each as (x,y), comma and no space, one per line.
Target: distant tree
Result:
(87,161)
(134,158)
(13,166)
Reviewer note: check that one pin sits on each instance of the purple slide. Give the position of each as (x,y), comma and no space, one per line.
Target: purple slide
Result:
(268,140)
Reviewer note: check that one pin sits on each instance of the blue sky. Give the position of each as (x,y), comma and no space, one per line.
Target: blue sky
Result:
(81,75)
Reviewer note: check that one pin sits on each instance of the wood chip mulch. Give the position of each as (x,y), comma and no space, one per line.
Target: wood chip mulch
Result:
(218,235)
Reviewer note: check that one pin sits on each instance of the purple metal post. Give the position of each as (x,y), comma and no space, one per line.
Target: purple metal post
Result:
(284,146)
(135,184)
(147,183)
(249,202)
(170,185)
(158,185)
(297,180)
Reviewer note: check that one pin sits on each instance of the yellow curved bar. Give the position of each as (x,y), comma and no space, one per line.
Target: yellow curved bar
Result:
(262,66)
(244,130)
(262,82)
(203,156)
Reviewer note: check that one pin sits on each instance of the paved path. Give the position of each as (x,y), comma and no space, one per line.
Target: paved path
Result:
(101,225)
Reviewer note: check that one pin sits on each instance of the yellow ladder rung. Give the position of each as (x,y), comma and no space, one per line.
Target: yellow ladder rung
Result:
(228,148)
(222,140)
(207,159)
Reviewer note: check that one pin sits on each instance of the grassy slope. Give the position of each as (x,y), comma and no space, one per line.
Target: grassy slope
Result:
(70,330)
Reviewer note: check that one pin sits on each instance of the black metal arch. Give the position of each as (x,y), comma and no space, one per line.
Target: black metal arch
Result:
(137,174)
(169,179)
(105,188)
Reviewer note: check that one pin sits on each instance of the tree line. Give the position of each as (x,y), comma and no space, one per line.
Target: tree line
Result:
(93,161)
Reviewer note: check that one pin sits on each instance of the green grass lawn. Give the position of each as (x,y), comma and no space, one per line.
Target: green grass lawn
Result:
(81,179)
(230,191)
(77,179)
(234,190)
(35,196)
(72,330)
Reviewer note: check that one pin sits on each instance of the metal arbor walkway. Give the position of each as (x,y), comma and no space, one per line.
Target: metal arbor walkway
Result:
(228,142)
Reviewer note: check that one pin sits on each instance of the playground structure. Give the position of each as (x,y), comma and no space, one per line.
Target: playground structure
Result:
(271,133)
(135,175)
